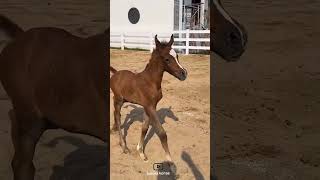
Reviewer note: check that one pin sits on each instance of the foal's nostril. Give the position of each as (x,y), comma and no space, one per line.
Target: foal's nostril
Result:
(183,73)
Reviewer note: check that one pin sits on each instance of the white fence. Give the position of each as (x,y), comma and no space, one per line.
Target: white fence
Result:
(184,41)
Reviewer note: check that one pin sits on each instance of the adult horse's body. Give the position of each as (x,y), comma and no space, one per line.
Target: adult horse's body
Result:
(54,80)
(144,88)
(229,37)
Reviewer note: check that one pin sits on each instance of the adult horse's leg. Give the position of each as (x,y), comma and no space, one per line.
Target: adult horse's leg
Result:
(26,130)
(118,102)
(152,113)
(144,130)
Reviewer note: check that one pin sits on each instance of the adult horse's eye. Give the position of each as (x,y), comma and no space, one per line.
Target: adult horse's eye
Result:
(167,60)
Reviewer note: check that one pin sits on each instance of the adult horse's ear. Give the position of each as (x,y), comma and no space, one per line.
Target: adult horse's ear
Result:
(171,41)
(157,41)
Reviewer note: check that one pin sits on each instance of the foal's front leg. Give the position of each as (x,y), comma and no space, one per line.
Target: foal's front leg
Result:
(159,130)
(118,102)
(144,130)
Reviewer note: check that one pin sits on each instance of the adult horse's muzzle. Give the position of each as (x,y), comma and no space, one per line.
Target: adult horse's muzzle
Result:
(230,43)
(229,36)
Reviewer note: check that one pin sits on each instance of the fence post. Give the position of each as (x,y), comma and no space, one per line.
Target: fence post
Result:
(122,41)
(187,41)
(151,42)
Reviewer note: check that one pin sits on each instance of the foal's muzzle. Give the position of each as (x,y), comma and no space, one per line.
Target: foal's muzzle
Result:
(182,74)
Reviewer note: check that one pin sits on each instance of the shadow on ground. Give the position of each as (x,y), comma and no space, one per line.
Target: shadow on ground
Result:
(196,172)
(168,170)
(136,114)
(87,162)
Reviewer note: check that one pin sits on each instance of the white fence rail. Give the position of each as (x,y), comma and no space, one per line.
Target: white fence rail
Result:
(184,40)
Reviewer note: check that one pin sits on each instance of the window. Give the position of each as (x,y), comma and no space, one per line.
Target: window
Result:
(134,15)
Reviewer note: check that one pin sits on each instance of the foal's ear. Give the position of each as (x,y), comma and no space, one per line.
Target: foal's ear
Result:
(171,41)
(157,41)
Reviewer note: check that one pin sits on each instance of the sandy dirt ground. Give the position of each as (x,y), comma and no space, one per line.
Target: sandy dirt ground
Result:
(184,112)
(59,155)
(266,105)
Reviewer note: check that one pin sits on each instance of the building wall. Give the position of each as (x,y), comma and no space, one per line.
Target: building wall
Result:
(156,16)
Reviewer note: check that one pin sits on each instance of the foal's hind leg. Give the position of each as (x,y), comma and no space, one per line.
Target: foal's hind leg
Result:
(144,130)
(160,131)
(118,102)
(26,131)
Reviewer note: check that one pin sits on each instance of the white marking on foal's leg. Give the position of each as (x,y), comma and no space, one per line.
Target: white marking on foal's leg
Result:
(168,156)
(138,146)
(141,153)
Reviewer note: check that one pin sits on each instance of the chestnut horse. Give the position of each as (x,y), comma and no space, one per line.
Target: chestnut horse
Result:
(229,37)
(54,80)
(144,88)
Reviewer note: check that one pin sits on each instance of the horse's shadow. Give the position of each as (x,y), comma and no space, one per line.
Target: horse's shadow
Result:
(171,169)
(136,114)
(195,171)
(85,163)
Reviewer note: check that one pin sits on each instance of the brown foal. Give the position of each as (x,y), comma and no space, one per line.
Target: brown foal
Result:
(144,88)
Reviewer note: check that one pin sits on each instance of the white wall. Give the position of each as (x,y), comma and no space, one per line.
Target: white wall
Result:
(155,16)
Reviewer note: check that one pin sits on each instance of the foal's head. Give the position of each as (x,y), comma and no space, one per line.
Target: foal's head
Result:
(169,59)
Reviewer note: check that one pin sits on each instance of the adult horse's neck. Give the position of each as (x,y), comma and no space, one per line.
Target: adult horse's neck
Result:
(154,70)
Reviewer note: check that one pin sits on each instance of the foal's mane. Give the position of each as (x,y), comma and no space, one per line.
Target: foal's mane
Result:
(155,52)
(163,44)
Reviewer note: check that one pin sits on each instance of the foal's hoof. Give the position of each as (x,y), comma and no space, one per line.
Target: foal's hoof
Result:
(143,157)
(146,160)
(169,159)
(113,130)
(126,150)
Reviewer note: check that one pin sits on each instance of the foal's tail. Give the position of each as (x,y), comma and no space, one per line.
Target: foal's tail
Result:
(113,70)
(9,28)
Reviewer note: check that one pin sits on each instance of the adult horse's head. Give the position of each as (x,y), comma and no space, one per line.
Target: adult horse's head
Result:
(170,59)
(229,36)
